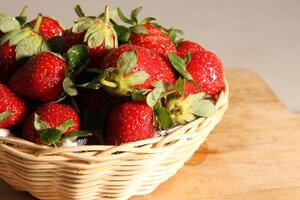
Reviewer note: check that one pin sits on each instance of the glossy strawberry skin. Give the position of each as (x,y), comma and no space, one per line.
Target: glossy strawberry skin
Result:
(188,46)
(53,113)
(129,122)
(207,71)
(49,28)
(8,62)
(11,102)
(40,78)
(155,40)
(150,62)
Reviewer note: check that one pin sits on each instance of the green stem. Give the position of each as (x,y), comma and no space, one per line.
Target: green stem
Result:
(79,11)
(23,11)
(38,23)
(109,84)
(106,15)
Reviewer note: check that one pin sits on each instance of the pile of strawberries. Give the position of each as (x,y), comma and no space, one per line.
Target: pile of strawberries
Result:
(101,81)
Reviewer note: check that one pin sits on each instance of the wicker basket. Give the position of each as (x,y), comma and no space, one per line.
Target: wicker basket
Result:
(103,172)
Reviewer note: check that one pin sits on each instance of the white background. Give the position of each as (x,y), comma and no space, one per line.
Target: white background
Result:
(262,35)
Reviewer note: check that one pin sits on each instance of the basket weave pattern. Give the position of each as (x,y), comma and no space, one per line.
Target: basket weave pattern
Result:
(103,172)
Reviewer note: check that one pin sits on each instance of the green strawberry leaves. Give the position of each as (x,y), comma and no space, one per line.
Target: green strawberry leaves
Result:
(5,115)
(77,134)
(39,124)
(8,23)
(127,61)
(69,87)
(50,136)
(163,116)
(66,125)
(180,86)
(98,31)
(180,65)
(77,56)
(154,96)
(120,80)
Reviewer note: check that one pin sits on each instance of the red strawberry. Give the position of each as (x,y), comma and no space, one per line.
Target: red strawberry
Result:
(184,47)
(40,78)
(52,116)
(155,40)
(49,28)
(8,62)
(17,45)
(132,67)
(207,71)
(12,108)
(129,122)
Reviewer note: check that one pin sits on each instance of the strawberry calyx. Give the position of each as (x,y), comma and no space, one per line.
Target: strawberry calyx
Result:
(136,26)
(56,136)
(121,80)
(5,115)
(28,41)
(9,23)
(98,30)
(183,110)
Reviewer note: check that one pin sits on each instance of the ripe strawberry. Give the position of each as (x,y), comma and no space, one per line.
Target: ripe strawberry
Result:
(184,47)
(207,71)
(8,62)
(155,40)
(129,122)
(131,68)
(40,78)
(49,28)
(17,45)
(12,108)
(50,116)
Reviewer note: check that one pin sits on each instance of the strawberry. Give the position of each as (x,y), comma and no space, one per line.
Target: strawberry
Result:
(12,108)
(97,33)
(185,47)
(17,45)
(40,78)
(50,119)
(207,71)
(132,68)
(49,28)
(144,34)
(204,72)
(129,122)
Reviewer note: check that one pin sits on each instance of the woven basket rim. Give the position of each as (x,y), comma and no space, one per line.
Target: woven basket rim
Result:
(152,145)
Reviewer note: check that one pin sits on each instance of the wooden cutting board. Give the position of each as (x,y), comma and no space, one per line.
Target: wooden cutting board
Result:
(253,154)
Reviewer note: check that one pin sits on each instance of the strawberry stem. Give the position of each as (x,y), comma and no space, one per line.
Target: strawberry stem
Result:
(23,11)
(109,84)
(79,11)
(106,15)
(38,23)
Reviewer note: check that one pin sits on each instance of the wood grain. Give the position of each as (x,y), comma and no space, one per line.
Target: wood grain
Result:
(252,154)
